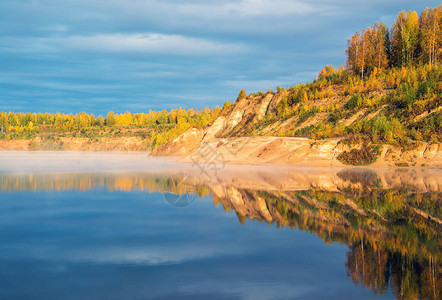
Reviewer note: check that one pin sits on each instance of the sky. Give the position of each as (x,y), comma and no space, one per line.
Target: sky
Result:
(135,55)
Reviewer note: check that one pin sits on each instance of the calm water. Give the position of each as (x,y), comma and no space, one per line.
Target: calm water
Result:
(125,227)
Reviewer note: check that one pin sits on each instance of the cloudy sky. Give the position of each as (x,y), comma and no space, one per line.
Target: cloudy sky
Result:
(136,55)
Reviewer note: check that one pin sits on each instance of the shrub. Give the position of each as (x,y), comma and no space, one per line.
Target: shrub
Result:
(33,146)
(358,157)
(354,102)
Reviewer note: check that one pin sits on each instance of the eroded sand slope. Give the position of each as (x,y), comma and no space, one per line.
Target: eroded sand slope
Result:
(229,139)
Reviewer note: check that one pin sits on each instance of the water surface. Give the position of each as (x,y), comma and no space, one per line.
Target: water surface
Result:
(108,226)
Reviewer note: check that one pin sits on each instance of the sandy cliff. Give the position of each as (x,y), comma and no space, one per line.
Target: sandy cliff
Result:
(229,140)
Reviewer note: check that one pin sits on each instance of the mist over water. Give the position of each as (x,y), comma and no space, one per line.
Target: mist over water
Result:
(71,161)
(114,225)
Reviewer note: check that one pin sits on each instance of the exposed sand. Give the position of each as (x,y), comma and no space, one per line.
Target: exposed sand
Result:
(268,150)
(132,143)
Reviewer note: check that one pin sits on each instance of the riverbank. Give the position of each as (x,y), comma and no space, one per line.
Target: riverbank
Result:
(132,143)
(264,150)
(192,147)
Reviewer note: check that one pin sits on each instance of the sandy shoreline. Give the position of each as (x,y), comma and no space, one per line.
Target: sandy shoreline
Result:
(268,150)
(66,160)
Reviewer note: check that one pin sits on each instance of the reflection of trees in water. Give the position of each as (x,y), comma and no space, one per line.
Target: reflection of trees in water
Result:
(399,249)
(83,182)
(394,220)
(394,236)
(408,277)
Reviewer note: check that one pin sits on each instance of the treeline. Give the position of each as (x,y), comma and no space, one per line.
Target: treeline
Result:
(161,125)
(19,122)
(411,40)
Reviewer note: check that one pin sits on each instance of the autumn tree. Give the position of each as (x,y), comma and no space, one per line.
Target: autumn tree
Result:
(368,50)
(387,41)
(242,94)
(340,71)
(125,119)
(353,52)
(3,122)
(327,71)
(380,54)
(110,119)
(99,120)
(227,104)
(430,23)
(404,39)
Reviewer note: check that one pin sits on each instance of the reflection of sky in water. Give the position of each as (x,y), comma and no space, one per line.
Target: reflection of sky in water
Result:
(125,245)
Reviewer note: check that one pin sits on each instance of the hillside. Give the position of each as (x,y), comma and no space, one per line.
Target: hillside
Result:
(392,118)
(383,108)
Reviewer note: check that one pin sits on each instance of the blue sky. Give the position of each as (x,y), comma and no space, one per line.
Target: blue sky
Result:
(135,55)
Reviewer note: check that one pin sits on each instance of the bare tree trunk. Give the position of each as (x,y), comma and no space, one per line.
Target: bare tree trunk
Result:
(356,59)
(434,60)
(379,60)
(363,58)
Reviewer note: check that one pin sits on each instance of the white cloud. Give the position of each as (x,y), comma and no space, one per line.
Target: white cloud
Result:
(220,8)
(248,8)
(262,85)
(55,28)
(148,43)
(231,16)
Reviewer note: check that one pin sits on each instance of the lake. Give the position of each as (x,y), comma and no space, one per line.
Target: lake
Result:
(124,226)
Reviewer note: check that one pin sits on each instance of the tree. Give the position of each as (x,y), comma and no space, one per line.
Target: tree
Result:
(353,52)
(162,118)
(405,33)
(387,42)
(242,94)
(429,35)
(110,119)
(340,70)
(125,119)
(380,58)
(437,34)
(227,104)
(327,71)
(366,50)
(3,122)
(100,120)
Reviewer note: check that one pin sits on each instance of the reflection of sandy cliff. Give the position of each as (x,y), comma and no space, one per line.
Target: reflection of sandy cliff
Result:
(394,235)
(390,219)
(332,178)
(254,178)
